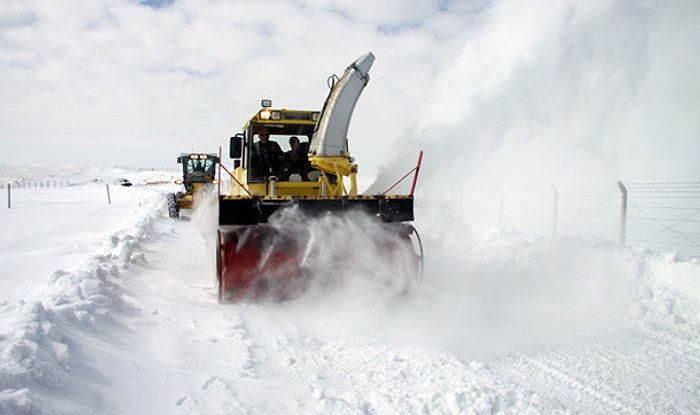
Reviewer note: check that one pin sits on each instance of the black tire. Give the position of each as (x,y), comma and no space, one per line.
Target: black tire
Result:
(172,206)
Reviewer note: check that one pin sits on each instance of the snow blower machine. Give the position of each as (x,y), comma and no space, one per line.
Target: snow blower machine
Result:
(198,170)
(255,258)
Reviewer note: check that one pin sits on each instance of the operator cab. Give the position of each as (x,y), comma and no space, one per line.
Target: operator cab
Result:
(281,125)
(197,168)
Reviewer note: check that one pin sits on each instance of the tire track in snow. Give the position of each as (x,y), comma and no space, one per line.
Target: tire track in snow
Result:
(209,345)
(626,373)
(351,373)
(197,340)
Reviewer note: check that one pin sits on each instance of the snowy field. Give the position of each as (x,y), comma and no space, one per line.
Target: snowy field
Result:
(110,308)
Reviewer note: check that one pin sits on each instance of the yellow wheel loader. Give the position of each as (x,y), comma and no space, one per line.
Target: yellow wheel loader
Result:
(198,170)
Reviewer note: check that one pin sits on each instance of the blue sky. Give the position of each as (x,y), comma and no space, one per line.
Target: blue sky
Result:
(157,4)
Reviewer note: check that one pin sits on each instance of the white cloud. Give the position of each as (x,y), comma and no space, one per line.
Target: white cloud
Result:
(504,78)
(187,74)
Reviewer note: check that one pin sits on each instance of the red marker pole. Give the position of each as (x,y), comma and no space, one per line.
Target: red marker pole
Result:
(415,176)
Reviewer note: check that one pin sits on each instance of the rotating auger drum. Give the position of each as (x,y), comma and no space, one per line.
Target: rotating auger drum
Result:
(262,262)
(257,262)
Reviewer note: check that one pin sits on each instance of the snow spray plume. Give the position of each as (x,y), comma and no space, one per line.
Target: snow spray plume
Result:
(564,93)
(204,211)
(350,254)
(205,218)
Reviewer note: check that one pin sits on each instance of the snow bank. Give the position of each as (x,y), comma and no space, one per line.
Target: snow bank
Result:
(518,290)
(40,348)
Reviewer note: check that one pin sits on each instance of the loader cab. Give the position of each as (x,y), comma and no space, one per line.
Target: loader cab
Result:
(197,168)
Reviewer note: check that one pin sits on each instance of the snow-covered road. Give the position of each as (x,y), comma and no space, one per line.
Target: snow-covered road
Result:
(115,312)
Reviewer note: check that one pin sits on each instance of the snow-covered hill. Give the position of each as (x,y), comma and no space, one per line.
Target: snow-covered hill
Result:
(110,308)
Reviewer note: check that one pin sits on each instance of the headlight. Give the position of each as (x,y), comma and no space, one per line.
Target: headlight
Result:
(276,115)
(314,116)
(265,114)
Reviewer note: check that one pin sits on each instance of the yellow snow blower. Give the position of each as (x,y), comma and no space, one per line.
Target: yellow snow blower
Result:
(316,177)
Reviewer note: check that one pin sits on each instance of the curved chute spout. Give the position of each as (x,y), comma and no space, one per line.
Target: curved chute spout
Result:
(330,137)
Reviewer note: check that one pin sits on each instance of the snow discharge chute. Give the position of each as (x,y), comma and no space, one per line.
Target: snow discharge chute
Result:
(260,255)
(330,137)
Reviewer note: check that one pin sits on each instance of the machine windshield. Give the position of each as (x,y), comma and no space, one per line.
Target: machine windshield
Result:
(202,166)
(281,155)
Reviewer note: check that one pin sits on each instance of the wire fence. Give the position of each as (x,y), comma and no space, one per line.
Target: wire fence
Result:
(40,184)
(660,216)
(664,215)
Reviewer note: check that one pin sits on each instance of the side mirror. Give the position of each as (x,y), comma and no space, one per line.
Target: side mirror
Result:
(236,146)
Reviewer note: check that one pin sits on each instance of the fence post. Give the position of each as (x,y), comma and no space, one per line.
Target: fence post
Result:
(555,212)
(623,212)
(109,199)
(9,196)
